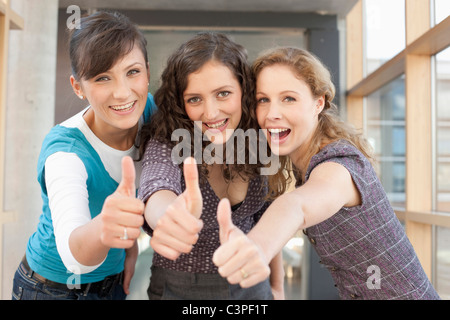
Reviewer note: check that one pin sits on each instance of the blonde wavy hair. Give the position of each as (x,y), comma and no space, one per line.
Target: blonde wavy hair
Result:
(330,128)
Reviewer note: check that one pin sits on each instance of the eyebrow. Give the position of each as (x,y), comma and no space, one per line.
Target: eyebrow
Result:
(134,64)
(282,92)
(225,87)
(126,68)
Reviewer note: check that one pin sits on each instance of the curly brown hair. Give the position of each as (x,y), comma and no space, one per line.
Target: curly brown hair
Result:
(171,113)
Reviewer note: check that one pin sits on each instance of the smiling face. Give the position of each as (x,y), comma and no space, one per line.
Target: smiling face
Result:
(117,97)
(213,96)
(287,109)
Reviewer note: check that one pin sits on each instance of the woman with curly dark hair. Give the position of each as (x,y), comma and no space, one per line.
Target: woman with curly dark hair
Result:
(207,90)
(84,247)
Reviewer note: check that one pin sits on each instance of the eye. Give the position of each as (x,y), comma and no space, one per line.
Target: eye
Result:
(223,94)
(193,100)
(133,72)
(289,99)
(101,79)
(262,100)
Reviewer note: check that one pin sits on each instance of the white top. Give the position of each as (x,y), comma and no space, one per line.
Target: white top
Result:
(65,179)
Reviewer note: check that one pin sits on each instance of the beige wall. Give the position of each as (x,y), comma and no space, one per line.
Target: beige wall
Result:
(29,116)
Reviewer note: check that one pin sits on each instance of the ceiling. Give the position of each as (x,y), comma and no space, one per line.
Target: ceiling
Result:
(338,7)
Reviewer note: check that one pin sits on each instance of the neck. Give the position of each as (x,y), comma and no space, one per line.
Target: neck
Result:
(119,139)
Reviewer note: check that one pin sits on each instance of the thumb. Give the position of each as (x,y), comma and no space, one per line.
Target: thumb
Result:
(226,225)
(127,185)
(194,200)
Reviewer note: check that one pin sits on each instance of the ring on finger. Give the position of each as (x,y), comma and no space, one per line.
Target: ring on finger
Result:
(244,274)
(125,234)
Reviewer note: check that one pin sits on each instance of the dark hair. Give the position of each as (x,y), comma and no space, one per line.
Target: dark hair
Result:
(190,57)
(102,39)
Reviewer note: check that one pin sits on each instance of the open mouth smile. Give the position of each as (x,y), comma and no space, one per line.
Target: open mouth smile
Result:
(219,125)
(124,107)
(278,135)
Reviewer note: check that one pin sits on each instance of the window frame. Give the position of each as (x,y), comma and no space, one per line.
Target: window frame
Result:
(416,60)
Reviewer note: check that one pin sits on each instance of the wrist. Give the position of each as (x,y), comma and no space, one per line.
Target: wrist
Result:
(262,249)
(133,251)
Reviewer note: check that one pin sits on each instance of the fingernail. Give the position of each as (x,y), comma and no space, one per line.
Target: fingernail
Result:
(190,160)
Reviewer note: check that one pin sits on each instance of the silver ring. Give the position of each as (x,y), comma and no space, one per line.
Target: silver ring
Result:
(125,234)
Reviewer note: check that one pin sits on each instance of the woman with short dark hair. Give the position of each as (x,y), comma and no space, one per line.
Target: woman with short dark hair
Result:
(85,244)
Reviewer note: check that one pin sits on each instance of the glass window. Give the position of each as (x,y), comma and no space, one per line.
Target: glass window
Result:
(443,262)
(384,22)
(443,130)
(443,170)
(441,10)
(386,132)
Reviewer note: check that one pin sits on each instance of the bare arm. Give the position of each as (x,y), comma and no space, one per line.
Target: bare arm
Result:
(157,205)
(277,276)
(329,188)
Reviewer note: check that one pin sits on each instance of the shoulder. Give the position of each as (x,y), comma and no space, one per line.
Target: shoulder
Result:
(157,152)
(61,138)
(341,152)
(150,107)
(68,140)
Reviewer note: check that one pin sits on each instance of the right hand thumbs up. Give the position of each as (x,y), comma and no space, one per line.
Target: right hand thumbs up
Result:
(122,214)
(226,226)
(193,194)
(177,230)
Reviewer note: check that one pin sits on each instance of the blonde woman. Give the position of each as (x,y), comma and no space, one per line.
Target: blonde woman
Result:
(338,201)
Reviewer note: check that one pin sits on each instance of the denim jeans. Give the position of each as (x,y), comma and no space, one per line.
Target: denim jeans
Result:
(168,284)
(26,288)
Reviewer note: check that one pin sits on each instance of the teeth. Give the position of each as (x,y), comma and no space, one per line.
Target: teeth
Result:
(216,125)
(277,130)
(123,107)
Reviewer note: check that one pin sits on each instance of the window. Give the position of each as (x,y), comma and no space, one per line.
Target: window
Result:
(385,31)
(386,132)
(442,170)
(421,193)
(443,131)
(443,262)
(441,10)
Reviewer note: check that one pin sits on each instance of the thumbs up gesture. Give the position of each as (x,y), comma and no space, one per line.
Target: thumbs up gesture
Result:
(177,229)
(238,258)
(122,213)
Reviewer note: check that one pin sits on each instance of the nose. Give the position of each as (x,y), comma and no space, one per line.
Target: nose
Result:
(273,112)
(122,90)
(211,110)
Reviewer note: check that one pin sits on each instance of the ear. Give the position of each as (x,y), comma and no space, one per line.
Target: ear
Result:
(320,104)
(76,86)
